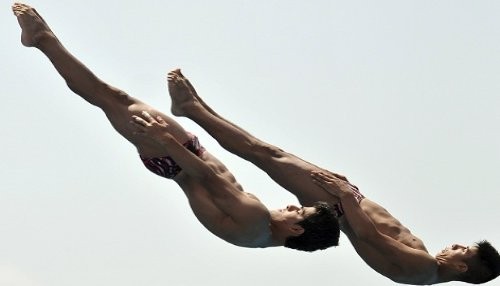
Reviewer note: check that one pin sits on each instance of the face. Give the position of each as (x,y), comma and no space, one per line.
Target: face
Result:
(457,252)
(294,214)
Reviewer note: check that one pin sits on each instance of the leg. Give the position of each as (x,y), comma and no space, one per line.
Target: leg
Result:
(217,200)
(116,104)
(214,197)
(36,33)
(287,170)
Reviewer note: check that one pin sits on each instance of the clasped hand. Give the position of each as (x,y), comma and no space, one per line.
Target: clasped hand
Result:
(334,184)
(148,126)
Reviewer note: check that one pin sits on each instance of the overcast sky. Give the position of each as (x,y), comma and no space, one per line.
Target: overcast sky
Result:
(402,97)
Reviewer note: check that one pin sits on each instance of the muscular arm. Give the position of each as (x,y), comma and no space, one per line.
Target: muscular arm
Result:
(156,129)
(360,223)
(189,162)
(383,253)
(224,192)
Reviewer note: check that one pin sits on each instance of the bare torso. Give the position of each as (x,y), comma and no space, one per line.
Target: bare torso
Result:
(245,222)
(409,263)
(255,232)
(408,260)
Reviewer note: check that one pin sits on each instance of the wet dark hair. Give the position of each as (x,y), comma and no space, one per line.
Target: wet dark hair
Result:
(321,230)
(484,266)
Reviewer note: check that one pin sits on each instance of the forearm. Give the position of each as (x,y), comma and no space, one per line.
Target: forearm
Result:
(359,222)
(225,195)
(189,162)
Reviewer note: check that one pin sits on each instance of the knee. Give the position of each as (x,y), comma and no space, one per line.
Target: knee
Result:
(115,95)
(101,94)
(111,97)
(262,152)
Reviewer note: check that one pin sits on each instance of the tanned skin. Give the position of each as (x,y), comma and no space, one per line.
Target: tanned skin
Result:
(216,198)
(379,238)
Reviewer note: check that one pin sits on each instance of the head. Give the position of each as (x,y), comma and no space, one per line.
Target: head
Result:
(475,264)
(315,228)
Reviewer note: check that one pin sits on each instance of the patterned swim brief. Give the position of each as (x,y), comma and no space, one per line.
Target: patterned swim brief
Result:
(166,166)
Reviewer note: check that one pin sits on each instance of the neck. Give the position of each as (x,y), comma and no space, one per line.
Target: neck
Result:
(445,273)
(278,237)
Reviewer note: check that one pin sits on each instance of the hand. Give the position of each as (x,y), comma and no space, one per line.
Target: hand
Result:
(148,126)
(341,177)
(332,183)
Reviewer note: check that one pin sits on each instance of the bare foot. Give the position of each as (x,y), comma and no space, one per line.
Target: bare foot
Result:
(184,97)
(33,27)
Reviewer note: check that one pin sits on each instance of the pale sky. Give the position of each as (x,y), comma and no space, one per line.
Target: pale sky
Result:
(402,97)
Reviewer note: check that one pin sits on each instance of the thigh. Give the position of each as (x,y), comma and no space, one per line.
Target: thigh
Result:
(294,174)
(119,110)
(174,128)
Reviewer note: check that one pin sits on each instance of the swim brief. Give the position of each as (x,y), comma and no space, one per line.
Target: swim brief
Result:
(337,208)
(166,166)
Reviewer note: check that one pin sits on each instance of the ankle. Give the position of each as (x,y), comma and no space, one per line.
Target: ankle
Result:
(45,41)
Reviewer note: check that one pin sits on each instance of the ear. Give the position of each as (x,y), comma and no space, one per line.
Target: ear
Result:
(297,229)
(461,267)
